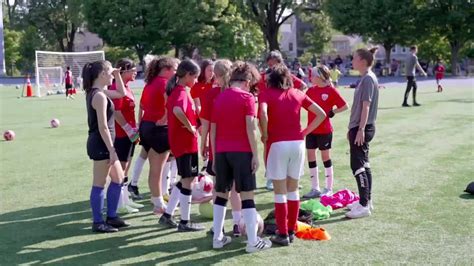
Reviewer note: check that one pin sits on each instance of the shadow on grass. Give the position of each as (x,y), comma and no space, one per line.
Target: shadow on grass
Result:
(58,233)
(466,196)
(462,100)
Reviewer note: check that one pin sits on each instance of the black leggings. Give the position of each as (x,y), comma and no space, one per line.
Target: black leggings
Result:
(411,83)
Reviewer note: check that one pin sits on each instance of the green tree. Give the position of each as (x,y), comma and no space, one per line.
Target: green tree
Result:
(56,21)
(29,43)
(12,50)
(387,22)
(271,14)
(434,46)
(113,54)
(452,19)
(320,36)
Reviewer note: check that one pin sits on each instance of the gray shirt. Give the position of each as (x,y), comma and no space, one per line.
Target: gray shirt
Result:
(366,91)
(411,65)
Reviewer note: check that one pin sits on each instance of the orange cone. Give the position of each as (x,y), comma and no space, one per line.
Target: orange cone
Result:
(29,89)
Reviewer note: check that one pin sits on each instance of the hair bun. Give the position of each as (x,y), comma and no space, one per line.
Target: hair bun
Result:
(373,50)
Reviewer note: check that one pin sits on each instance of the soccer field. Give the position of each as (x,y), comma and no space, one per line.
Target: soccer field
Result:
(422,158)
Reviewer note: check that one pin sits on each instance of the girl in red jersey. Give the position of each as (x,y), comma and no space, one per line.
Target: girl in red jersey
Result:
(438,70)
(222,71)
(154,126)
(234,144)
(68,83)
(204,83)
(326,96)
(183,140)
(97,76)
(280,107)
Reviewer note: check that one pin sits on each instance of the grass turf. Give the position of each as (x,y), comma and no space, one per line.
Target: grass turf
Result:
(422,159)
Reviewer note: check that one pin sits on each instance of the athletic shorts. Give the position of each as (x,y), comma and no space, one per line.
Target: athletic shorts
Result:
(234,167)
(154,137)
(124,148)
(285,159)
(188,165)
(319,141)
(96,148)
(68,86)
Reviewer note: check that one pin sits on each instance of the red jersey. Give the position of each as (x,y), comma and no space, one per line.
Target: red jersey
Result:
(68,78)
(207,105)
(182,141)
(231,108)
(200,89)
(326,98)
(126,105)
(262,84)
(284,112)
(439,71)
(153,99)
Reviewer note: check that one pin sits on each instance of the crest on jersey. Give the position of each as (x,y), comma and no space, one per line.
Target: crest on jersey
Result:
(324,96)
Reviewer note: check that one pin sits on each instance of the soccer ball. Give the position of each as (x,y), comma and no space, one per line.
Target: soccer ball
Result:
(202,189)
(259,225)
(54,123)
(206,209)
(17,87)
(9,135)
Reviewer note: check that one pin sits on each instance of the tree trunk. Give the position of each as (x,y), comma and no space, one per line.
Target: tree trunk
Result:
(271,34)
(70,40)
(388,51)
(455,47)
(176,52)
(141,56)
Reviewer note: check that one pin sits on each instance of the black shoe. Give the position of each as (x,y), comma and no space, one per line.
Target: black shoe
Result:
(167,221)
(416,104)
(281,240)
(405,105)
(190,227)
(134,192)
(291,235)
(103,228)
(116,222)
(236,231)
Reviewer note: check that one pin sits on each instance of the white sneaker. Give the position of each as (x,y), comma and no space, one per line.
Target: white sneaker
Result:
(218,244)
(371,205)
(352,205)
(135,205)
(261,245)
(127,209)
(358,212)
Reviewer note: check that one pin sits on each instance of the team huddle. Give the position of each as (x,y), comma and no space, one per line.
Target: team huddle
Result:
(221,118)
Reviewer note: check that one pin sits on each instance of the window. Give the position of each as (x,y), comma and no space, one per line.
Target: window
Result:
(404,50)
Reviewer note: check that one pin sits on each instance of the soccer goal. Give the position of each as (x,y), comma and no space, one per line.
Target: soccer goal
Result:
(51,66)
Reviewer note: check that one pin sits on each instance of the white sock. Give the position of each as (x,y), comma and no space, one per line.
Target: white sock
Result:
(158,201)
(173,171)
(218,221)
(173,201)
(185,206)
(137,170)
(329,177)
(165,179)
(314,177)
(121,202)
(250,219)
(236,215)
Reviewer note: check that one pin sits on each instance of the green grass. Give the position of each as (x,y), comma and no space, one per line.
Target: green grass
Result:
(422,159)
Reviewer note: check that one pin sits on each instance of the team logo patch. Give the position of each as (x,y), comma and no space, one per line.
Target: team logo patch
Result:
(324,97)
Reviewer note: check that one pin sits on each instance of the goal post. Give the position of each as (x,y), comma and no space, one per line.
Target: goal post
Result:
(51,66)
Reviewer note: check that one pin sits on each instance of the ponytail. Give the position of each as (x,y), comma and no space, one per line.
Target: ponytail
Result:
(222,69)
(157,64)
(171,84)
(184,68)
(367,54)
(91,71)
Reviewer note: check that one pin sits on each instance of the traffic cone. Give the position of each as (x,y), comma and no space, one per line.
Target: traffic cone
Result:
(29,89)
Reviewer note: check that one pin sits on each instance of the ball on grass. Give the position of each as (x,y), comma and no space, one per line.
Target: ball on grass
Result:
(9,135)
(206,209)
(17,87)
(54,123)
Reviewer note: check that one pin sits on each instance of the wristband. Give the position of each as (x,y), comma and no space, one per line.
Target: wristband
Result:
(331,114)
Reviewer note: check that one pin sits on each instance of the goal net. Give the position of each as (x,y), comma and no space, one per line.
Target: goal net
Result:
(51,68)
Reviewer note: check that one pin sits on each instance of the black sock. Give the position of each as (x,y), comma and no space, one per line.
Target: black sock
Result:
(363,185)
(369,178)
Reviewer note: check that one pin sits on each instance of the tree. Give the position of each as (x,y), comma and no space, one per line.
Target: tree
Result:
(270,15)
(434,46)
(12,50)
(320,35)
(56,20)
(387,22)
(452,19)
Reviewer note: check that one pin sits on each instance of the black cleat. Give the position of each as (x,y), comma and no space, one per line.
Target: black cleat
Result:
(116,222)
(282,240)
(291,235)
(167,221)
(103,228)
(134,192)
(190,227)
(416,104)
(405,105)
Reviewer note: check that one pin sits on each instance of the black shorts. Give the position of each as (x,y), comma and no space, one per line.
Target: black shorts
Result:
(68,86)
(154,137)
(188,165)
(234,166)
(124,148)
(360,154)
(96,148)
(319,141)
(209,169)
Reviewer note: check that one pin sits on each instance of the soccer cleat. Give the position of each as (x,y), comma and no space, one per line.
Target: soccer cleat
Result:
(116,222)
(211,231)
(269,185)
(190,227)
(358,212)
(103,228)
(134,192)
(291,236)
(326,192)
(127,209)
(168,222)
(262,244)
(282,240)
(218,244)
(405,105)
(352,205)
(416,104)
(314,193)
(236,231)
